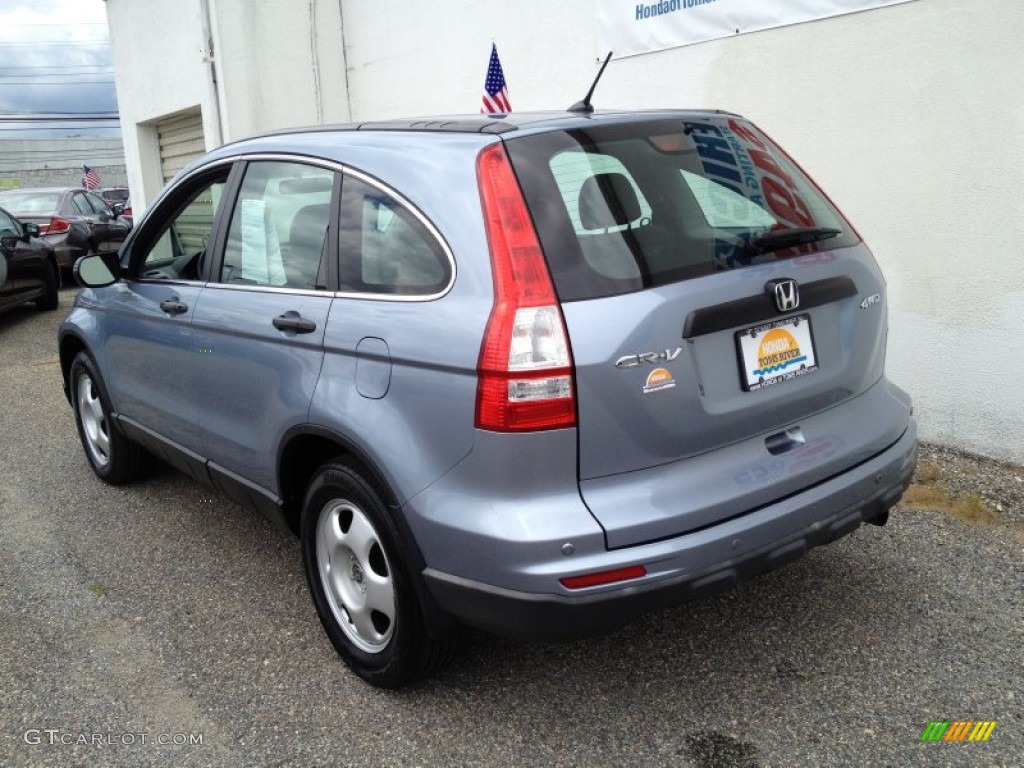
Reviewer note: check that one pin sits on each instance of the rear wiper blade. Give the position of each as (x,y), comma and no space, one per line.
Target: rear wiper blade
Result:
(787,238)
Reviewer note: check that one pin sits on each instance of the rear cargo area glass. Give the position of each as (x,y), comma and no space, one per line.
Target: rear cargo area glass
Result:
(629,206)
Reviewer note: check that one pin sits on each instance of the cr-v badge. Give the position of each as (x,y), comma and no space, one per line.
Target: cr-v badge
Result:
(632,361)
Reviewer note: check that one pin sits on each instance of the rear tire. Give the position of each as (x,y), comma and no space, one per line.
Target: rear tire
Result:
(113,457)
(50,299)
(360,583)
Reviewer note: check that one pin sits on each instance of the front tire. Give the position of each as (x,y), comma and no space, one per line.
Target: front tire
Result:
(360,582)
(113,457)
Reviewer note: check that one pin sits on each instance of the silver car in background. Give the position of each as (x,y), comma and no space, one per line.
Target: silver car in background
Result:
(537,374)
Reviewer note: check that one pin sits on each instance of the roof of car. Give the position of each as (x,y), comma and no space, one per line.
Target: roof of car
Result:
(364,141)
(498,124)
(45,189)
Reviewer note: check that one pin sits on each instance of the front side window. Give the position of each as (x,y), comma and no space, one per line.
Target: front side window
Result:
(623,207)
(277,235)
(98,205)
(179,248)
(8,227)
(385,248)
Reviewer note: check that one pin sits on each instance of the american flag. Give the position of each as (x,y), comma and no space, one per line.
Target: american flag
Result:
(90,179)
(495,91)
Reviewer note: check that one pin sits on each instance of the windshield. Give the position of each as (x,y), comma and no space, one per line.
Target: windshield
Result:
(30,202)
(619,208)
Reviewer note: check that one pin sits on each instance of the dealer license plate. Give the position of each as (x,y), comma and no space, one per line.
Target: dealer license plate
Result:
(775,352)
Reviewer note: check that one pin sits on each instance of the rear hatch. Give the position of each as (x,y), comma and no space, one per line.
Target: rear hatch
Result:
(713,297)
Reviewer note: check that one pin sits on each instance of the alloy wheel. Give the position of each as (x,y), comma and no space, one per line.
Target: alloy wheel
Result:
(355,575)
(95,428)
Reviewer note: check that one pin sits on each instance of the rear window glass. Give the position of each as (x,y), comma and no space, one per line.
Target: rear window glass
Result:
(623,207)
(30,202)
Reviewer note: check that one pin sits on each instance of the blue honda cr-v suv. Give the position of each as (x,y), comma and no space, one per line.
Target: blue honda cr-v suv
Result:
(536,374)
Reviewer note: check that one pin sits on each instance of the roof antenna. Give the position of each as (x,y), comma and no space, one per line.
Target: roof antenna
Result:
(585,107)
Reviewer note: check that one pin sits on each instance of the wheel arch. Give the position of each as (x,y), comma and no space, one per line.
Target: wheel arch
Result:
(304,449)
(51,259)
(69,345)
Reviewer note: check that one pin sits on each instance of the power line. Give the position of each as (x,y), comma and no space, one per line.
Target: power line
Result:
(70,82)
(98,41)
(56,112)
(100,154)
(64,157)
(35,128)
(69,158)
(35,119)
(52,74)
(59,24)
(57,66)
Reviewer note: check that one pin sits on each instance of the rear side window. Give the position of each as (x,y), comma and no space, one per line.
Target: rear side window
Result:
(81,205)
(619,208)
(385,248)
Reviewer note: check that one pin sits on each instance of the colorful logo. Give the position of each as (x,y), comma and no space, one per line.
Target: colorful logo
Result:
(657,380)
(777,351)
(958,730)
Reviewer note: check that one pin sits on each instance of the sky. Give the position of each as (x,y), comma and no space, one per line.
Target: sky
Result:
(56,71)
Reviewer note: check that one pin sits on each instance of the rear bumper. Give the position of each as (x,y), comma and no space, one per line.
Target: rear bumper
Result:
(698,563)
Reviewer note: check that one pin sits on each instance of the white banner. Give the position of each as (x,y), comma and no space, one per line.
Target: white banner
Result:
(629,27)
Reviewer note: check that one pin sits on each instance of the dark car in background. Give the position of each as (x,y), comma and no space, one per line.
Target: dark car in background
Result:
(114,195)
(126,211)
(119,199)
(74,222)
(28,266)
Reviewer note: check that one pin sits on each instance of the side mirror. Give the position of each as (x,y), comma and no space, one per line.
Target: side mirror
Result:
(30,230)
(94,271)
(118,209)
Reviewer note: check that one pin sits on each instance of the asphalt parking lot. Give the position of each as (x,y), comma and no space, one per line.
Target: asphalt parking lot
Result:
(160,624)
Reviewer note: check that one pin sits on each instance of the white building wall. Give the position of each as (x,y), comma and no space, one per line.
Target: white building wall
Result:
(281,64)
(911,117)
(159,71)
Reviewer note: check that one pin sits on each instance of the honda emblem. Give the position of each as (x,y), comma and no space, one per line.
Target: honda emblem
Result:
(786,294)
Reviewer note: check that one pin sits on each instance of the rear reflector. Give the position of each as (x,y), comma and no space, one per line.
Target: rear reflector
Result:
(604,577)
(525,375)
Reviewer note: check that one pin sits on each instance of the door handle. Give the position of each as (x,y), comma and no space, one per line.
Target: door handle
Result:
(293,321)
(173,306)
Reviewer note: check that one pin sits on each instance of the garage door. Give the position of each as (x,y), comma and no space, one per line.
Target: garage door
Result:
(181,142)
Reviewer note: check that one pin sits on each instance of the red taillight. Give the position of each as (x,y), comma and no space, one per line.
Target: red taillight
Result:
(604,577)
(525,368)
(57,226)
